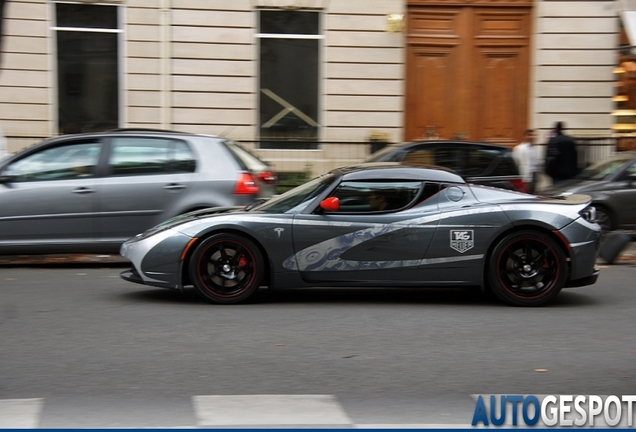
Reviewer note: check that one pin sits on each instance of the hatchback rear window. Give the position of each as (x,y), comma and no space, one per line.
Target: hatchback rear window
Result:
(245,159)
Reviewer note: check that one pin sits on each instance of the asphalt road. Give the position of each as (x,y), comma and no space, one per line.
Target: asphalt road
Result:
(80,347)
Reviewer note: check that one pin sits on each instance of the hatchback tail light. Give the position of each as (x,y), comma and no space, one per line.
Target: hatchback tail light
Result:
(267,177)
(246,185)
(518,184)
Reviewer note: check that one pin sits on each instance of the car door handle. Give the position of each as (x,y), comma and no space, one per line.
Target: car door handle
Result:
(83,190)
(174,186)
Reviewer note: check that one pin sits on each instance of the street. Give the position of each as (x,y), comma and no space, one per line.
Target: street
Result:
(83,348)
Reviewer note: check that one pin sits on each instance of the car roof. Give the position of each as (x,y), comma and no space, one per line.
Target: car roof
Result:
(91,135)
(127,131)
(453,143)
(397,171)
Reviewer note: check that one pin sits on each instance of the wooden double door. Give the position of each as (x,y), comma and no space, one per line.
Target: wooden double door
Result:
(467,69)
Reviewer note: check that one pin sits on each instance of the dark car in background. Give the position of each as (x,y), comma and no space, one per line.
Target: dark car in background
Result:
(611,183)
(91,192)
(479,163)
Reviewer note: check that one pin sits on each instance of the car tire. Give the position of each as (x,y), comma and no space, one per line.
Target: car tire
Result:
(226,269)
(527,268)
(604,219)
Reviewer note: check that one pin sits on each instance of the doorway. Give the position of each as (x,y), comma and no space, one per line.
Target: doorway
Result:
(467,72)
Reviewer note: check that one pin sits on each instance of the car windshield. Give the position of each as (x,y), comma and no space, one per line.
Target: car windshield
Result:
(602,169)
(295,200)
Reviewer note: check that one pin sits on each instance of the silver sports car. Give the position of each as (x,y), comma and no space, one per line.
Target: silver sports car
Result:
(376,225)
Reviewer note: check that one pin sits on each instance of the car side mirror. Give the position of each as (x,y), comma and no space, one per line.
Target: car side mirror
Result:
(632,177)
(331,204)
(5,179)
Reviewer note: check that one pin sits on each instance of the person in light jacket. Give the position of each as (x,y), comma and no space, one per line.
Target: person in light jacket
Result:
(527,159)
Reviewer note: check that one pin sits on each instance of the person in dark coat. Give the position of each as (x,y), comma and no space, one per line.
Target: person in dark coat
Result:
(561,160)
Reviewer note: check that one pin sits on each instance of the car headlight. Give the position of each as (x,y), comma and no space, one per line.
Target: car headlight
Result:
(589,214)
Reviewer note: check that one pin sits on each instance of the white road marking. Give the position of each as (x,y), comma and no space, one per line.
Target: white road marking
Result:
(231,411)
(412,426)
(252,410)
(20,413)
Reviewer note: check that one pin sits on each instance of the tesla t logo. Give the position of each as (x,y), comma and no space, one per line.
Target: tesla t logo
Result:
(462,240)
(279,231)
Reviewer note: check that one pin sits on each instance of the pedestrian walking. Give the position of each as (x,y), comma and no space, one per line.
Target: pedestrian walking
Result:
(527,159)
(561,160)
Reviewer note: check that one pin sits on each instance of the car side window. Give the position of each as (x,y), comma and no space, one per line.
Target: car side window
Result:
(478,161)
(449,157)
(424,156)
(62,162)
(630,171)
(146,156)
(377,196)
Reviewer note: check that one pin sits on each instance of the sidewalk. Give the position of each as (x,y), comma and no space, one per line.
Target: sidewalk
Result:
(627,255)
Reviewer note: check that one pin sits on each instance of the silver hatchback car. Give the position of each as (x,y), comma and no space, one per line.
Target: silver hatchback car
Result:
(91,192)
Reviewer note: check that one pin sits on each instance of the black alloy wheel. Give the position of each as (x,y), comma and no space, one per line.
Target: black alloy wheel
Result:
(226,269)
(527,268)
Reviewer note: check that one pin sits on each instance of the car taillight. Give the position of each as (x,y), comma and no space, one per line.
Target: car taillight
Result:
(267,177)
(246,185)
(518,184)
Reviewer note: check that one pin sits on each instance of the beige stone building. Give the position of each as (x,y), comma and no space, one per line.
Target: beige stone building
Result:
(305,81)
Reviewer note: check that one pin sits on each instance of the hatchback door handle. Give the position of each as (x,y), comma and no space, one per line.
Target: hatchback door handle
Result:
(83,190)
(174,186)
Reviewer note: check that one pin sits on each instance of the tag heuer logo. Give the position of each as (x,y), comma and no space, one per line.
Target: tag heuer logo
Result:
(462,240)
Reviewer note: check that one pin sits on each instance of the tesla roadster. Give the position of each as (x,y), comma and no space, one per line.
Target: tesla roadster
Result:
(376,225)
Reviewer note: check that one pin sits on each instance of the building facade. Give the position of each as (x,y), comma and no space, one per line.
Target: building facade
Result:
(306,82)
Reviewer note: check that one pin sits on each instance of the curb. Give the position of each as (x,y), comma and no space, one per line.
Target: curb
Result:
(63,259)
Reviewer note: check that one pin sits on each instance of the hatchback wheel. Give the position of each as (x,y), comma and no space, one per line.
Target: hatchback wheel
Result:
(527,268)
(226,268)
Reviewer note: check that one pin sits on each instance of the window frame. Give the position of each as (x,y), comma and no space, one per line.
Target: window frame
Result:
(54,56)
(320,37)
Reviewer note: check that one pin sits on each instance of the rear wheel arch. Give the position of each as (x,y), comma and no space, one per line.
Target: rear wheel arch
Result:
(527,227)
